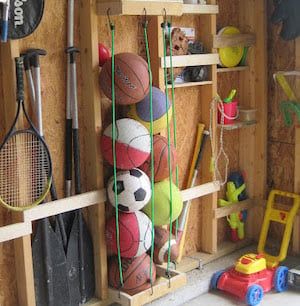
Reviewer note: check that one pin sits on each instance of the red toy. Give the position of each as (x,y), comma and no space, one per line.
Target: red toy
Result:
(104,54)
(255,274)
(247,285)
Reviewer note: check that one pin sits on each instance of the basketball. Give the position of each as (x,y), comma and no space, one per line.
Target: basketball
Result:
(141,111)
(136,274)
(131,78)
(161,246)
(161,166)
(133,190)
(132,144)
(135,234)
(162,203)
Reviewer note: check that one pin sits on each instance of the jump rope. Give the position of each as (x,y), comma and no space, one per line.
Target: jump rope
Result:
(164,25)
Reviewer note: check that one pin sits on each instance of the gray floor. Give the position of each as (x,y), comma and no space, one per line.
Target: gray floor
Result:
(196,290)
(290,297)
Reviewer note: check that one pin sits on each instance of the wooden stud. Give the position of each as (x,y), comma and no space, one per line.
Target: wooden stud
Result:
(296,231)
(209,204)
(253,94)
(93,128)
(155,44)
(22,246)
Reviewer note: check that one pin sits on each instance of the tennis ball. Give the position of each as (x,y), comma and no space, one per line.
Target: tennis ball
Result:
(162,203)
(141,111)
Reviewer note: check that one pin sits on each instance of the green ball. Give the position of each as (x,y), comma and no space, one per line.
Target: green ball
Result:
(162,203)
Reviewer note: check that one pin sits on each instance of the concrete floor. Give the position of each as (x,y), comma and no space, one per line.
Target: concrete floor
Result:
(198,282)
(290,297)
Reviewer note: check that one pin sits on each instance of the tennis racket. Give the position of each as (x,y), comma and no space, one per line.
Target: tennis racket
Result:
(25,163)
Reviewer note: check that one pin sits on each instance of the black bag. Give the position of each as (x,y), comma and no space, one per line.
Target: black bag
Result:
(287,12)
(24,17)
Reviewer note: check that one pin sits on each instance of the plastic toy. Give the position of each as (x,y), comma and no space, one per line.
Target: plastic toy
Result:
(294,277)
(236,191)
(230,56)
(253,274)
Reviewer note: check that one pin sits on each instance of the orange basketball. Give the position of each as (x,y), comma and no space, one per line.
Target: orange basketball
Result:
(131,78)
(136,274)
(161,246)
(161,167)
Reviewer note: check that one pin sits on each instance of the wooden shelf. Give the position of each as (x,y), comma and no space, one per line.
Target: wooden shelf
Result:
(200,9)
(196,260)
(83,200)
(225,211)
(191,60)
(162,286)
(233,40)
(153,7)
(238,125)
(130,7)
(232,69)
(190,84)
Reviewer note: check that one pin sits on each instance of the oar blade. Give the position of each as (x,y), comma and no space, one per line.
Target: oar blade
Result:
(50,267)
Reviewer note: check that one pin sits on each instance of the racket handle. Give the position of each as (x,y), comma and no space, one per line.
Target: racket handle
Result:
(20,79)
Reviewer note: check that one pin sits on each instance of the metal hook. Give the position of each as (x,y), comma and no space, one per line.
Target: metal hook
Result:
(145,21)
(165,15)
(152,292)
(108,17)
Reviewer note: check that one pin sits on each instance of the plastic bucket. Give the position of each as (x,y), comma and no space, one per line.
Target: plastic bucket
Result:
(230,111)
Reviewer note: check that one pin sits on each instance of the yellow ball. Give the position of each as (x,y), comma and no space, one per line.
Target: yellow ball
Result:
(162,203)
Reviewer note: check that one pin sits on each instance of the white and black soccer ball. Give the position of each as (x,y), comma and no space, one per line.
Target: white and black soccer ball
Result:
(133,190)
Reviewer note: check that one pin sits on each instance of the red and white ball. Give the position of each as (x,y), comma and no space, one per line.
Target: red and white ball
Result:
(132,144)
(135,234)
(161,246)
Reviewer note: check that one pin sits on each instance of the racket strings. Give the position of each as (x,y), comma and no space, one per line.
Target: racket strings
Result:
(25,170)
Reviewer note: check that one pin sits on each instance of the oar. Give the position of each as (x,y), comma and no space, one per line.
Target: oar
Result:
(80,246)
(49,259)
(69,217)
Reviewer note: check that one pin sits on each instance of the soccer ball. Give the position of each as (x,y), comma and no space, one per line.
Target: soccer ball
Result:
(133,190)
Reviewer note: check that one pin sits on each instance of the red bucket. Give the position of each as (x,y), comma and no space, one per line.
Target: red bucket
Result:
(230,111)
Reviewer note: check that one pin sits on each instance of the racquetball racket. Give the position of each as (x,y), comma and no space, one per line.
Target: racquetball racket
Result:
(25,163)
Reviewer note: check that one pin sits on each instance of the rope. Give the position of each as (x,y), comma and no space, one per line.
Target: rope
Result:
(163,25)
(145,25)
(114,136)
(216,154)
(173,112)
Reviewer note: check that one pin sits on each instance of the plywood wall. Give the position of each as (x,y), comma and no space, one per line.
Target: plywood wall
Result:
(280,138)
(51,35)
